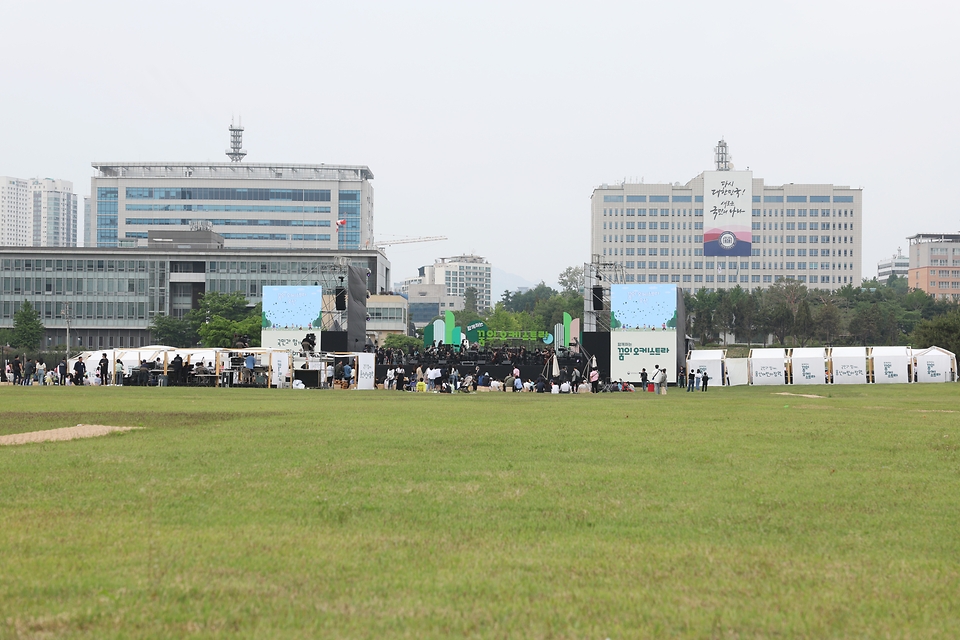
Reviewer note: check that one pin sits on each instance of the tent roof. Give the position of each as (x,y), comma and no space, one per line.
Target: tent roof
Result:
(939,350)
(764,354)
(892,351)
(707,354)
(849,352)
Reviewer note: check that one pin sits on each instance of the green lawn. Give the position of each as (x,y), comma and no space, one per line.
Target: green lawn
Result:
(275,513)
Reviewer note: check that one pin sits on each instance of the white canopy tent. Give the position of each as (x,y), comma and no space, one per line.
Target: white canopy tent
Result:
(848,365)
(768,366)
(708,360)
(808,365)
(738,373)
(891,365)
(935,365)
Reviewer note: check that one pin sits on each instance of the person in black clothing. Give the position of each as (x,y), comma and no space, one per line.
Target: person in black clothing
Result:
(104,366)
(62,372)
(79,371)
(704,380)
(17,367)
(177,364)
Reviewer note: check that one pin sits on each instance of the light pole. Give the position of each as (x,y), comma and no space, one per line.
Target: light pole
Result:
(66,313)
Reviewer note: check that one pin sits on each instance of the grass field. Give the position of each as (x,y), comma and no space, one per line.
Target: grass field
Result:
(263,513)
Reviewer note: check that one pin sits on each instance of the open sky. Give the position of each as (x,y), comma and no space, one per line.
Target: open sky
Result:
(491,123)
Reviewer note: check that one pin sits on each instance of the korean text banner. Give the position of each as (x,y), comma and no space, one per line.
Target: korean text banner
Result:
(727,208)
(643,329)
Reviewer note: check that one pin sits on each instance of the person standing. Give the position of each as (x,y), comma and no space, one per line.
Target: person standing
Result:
(118,372)
(391,378)
(400,377)
(595,380)
(79,371)
(62,372)
(348,374)
(644,378)
(706,379)
(691,378)
(104,366)
(329,373)
(656,380)
(17,370)
(28,370)
(249,365)
(697,379)
(663,382)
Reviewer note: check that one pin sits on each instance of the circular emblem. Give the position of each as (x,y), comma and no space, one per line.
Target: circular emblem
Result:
(727,240)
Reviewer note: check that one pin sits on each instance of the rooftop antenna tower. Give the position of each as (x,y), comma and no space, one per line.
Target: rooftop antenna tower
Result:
(236,141)
(722,156)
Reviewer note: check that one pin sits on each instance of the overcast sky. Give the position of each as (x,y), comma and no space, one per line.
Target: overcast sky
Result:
(492,123)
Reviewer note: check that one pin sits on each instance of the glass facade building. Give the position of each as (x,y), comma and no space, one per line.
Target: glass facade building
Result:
(251,205)
(111,295)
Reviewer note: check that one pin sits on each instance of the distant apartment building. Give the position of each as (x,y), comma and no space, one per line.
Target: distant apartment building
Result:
(810,233)
(37,212)
(898,265)
(442,287)
(935,264)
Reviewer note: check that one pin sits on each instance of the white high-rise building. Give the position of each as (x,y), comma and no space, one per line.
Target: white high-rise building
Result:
(810,233)
(16,212)
(37,212)
(54,213)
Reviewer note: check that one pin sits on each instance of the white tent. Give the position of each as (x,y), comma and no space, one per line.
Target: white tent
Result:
(935,365)
(709,360)
(808,365)
(768,366)
(849,365)
(737,371)
(892,364)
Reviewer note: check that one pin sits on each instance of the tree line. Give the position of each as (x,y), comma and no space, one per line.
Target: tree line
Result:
(789,314)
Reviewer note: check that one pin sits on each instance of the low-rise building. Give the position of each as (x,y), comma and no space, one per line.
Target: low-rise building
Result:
(935,264)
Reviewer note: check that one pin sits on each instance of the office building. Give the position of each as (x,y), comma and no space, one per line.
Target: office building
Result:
(110,295)
(935,264)
(39,212)
(810,233)
(266,205)
(897,265)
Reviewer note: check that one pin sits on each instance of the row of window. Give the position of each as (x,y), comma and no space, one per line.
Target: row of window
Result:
(14,264)
(226,222)
(232,208)
(293,195)
(756,198)
(699,266)
(755,239)
(653,225)
(82,310)
(801,226)
(755,279)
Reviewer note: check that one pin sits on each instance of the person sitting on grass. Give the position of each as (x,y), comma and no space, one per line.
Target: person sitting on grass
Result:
(421,386)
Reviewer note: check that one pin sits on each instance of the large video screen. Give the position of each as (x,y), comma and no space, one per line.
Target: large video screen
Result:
(644,330)
(289,315)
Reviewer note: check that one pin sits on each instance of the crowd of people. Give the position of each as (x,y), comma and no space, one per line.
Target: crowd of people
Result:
(473,354)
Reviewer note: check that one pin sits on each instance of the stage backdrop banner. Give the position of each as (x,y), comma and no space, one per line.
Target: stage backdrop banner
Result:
(643,330)
(727,207)
(289,314)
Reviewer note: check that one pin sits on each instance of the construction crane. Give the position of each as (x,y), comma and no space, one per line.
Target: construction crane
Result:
(410,240)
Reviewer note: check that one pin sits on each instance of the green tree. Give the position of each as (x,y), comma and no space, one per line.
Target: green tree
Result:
(470,299)
(398,341)
(173,332)
(27,328)
(218,332)
(571,280)
(803,323)
(942,331)
(828,322)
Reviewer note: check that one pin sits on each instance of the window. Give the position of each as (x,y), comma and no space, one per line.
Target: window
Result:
(613,198)
(819,198)
(773,198)
(637,199)
(843,198)
(796,198)
(660,199)
(682,198)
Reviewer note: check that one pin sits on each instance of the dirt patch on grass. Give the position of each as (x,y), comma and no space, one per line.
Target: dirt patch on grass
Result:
(933,411)
(798,395)
(66,433)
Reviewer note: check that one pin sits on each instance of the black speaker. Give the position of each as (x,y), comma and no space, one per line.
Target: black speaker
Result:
(341,299)
(598,298)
